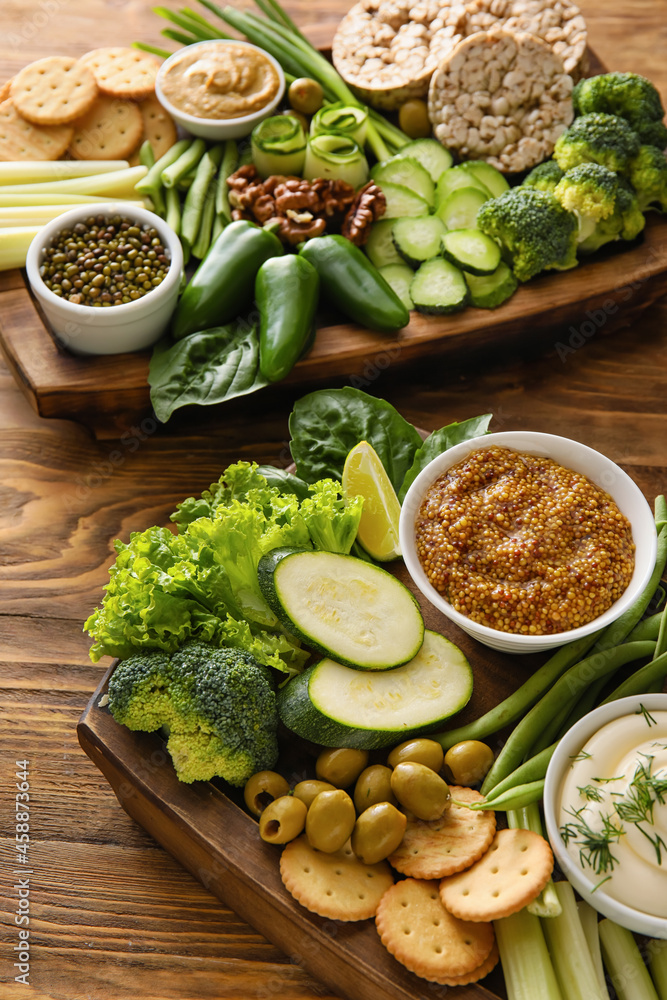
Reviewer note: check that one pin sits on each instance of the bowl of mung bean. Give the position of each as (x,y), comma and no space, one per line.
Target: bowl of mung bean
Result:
(107,279)
(527,540)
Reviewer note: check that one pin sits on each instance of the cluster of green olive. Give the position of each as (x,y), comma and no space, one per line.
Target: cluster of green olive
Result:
(374,815)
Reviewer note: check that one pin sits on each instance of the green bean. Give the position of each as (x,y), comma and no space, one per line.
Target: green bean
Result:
(518,703)
(197,196)
(188,159)
(649,628)
(660,512)
(532,769)
(513,798)
(153,179)
(173,217)
(219,224)
(554,727)
(638,683)
(577,678)
(203,240)
(229,163)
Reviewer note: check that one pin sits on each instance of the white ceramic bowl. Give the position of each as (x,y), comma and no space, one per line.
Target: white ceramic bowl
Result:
(634,919)
(572,455)
(218,128)
(131,326)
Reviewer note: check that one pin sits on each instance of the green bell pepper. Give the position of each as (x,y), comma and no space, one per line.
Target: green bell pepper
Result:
(222,287)
(286,294)
(352,284)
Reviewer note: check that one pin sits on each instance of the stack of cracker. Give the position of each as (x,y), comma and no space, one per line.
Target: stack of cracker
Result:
(99,107)
(460,874)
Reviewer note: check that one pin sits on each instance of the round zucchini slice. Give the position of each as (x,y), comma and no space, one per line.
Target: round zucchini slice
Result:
(334,705)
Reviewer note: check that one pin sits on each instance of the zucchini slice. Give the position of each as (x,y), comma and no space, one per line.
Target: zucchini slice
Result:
(401,201)
(491,290)
(455,178)
(418,239)
(430,153)
(488,175)
(343,607)
(335,706)
(408,172)
(439,288)
(399,278)
(380,247)
(471,250)
(459,210)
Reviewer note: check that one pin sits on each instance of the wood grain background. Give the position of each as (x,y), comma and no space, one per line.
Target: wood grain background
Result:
(113,916)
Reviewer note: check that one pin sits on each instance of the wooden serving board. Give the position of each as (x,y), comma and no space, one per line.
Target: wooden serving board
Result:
(218,842)
(109,393)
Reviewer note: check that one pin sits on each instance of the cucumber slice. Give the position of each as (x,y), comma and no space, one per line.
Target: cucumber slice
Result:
(454,179)
(380,244)
(399,277)
(459,210)
(335,706)
(406,171)
(418,239)
(401,201)
(431,154)
(487,292)
(471,250)
(488,175)
(439,288)
(343,607)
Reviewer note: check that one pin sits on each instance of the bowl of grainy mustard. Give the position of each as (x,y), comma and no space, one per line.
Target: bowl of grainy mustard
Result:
(527,540)
(107,278)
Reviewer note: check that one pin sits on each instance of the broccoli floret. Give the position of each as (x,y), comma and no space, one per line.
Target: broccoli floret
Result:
(217,705)
(648,176)
(535,232)
(544,176)
(597,138)
(625,223)
(589,191)
(628,95)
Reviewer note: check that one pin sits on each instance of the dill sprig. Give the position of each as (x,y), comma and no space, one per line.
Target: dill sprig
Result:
(650,721)
(590,793)
(594,845)
(642,793)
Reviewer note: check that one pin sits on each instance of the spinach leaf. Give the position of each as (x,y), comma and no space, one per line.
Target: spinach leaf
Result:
(325,425)
(440,441)
(204,368)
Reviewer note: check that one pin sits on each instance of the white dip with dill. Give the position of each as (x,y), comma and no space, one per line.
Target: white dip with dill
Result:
(613,810)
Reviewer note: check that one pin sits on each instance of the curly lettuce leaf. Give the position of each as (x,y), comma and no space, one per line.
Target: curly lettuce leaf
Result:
(332,520)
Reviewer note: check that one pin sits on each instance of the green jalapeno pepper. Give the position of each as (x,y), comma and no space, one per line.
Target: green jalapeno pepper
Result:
(352,284)
(222,286)
(286,293)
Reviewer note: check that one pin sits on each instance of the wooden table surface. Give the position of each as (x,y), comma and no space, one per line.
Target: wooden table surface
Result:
(112,915)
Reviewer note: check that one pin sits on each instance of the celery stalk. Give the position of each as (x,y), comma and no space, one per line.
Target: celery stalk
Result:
(14,245)
(527,968)
(589,922)
(55,198)
(31,171)
(40,214)
(569,951)
(624,963)
(657,963)
(118,183)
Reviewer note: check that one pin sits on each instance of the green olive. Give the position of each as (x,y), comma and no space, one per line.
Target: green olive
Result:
(330,820)
(426,752)
(378,832)
(305,95)
(282,820)
(308,789)
(341,767)
(413,119)
(373,785)
(469,761)
(262,788)
(420,790)
(291,113)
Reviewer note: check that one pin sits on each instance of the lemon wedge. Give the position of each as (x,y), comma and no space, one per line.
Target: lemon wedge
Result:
(365,475)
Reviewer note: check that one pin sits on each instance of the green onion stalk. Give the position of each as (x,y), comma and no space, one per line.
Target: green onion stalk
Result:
(278,146)
(335,157)
(343,119)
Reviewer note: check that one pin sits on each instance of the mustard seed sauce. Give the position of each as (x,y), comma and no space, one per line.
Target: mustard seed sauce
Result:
(520,544)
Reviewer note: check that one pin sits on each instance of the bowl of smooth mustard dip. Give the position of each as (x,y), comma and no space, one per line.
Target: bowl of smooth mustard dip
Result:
(605,806)
(220,89)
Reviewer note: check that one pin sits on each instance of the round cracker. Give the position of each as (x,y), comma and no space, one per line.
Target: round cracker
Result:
(338,886)
(122,72)
(443,846)
(418,931)
(159,127)
(53,91)
(510,875)
(109,131)
(5,91)
(21,140)
(487,966)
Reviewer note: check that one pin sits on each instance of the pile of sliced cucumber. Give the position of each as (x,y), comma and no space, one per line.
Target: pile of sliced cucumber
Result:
(427,245)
